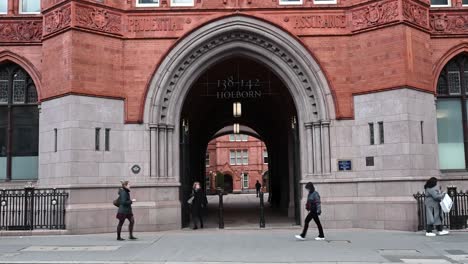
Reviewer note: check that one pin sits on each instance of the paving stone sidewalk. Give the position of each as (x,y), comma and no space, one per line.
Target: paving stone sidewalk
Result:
(213,246)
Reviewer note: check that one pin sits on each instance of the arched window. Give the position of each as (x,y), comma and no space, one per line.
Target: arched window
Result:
(19,124)
(452,121)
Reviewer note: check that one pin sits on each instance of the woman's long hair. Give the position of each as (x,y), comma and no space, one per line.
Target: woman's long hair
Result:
(430,183)
(310,186)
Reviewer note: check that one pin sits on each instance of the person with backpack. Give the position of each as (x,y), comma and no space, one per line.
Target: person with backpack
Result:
(313,205)
(124,203)
(433,210)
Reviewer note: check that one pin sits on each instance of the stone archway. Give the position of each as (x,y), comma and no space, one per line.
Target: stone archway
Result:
(260,41)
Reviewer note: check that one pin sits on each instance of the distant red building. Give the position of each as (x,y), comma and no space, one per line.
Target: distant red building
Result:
(241,159)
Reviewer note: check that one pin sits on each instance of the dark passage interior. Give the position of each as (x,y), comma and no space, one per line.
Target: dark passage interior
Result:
(266,107)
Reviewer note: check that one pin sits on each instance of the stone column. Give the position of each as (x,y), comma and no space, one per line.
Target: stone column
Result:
(317,146)
(162,151)
(326,158)
(154,157)
(170,151)
(309,146)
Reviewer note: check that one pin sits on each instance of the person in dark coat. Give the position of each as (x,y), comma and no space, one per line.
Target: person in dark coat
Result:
(125,210)
(313,205)
(258,185)
(197,204)
(433,211)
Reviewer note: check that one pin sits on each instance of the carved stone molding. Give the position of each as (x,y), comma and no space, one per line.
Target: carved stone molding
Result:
(98,19)
(374,14)
(449,23)
(20,31)
(416,14)
(57,20)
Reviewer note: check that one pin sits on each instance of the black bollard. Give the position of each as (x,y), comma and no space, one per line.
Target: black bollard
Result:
(221,209)
(262,211)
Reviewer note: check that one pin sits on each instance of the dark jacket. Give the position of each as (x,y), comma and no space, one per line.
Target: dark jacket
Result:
(125,201)
(199,200)
(258,186)
(313,203)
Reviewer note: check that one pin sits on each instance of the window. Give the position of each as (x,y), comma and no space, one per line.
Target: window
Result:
(30,6)
(290,2)
(207,159)
(182,3)
(371,133)
(97,135)
(325,2)
(381,132)
(245,180)
(107,140)
(55,140)
(239,157)
(19,125)
(265,156)
(147,3)
(440,3)
(4,7)
(465,2)
(238,137)
(452,105)
(422,131)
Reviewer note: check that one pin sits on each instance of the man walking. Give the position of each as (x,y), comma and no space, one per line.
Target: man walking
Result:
(258,186)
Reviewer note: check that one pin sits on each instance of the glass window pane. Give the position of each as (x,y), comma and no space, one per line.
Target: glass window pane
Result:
(439,2)
(3,87)
(32,94)
(290,2)
(148,2)
(19,87)
(465,2)
(454,82)
(30,6)
(450,134)
(3,141)
(232,157)
(182,2)
(231,137)
(465,81)
(4,6)
(245,157)
(25,143)
(442,87)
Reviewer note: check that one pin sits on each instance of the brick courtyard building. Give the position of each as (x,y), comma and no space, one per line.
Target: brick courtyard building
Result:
(365,98)
(241,159)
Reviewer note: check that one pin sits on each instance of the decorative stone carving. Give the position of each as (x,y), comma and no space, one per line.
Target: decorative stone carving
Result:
(98,19)
(57,20)
(231,37)
(375,14)
(21,31)
(415,14)
(449,23)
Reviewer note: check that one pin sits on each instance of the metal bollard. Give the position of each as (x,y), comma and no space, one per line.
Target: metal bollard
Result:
(262,211)
(221,209)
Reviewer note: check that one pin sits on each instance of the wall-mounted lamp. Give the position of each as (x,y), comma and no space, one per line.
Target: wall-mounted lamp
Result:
(237,109)
(236,128)
(293,122)
(185,125)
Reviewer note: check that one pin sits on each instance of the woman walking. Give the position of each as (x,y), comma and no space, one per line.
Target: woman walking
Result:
(314,207)
(433,210)
(125,210)
(198,202)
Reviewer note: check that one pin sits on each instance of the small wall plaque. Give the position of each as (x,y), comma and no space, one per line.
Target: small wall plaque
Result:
(344,165)
(136,169)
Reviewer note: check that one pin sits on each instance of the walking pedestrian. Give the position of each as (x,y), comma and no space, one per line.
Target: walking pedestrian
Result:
(198,203)
(125,210)
(313,205)
(258,185)
(434,213)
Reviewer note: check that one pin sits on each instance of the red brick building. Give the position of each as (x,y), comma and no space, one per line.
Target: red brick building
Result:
(341,92)
(241,159)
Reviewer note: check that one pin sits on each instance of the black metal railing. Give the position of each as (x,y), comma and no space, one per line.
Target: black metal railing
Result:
(457,218)
(30,208)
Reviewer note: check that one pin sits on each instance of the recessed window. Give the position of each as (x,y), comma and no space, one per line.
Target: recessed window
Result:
(147,3)
(369,161)
(265,156)
(245,180)
(3,6)
(55,140)
(238,137)
(290,2)
(371,133)
(97,135)
(465,2)
(107,140)
(325,2)
(30,6)
(239,157)
(422,131)
(182,3)
(381,133)
(207,159)
(440,3)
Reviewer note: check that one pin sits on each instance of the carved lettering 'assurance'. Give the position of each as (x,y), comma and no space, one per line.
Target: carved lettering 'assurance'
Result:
(322,21)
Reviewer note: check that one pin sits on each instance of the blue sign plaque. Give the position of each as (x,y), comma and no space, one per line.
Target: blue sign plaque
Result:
(344,165)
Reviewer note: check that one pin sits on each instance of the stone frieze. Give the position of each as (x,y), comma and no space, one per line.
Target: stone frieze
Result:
(20,31)
(57,20)
(449,23)
(99,19)
(416,14)
(375,14)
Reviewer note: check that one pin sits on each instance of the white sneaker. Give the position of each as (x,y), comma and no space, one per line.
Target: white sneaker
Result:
(443,233)
(430,234)
(299,237)
(319,238)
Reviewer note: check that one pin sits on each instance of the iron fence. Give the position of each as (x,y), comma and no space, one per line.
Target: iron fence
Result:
(30,208)
(457,218)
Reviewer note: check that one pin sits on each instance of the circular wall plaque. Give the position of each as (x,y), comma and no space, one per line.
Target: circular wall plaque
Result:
(136,169)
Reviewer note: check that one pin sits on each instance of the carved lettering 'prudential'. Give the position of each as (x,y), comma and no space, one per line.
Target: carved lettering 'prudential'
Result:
(138,24)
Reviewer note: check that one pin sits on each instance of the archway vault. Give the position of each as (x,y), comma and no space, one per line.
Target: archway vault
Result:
(254,39)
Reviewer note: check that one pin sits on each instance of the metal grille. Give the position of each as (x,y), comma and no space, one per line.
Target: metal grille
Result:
(457,218)
(30,208)
(19,87)
(442,87)
(454,82)
(32,94)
